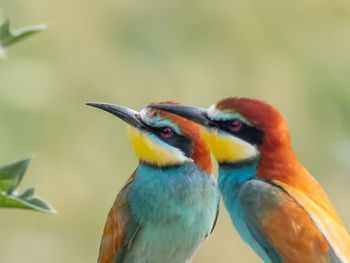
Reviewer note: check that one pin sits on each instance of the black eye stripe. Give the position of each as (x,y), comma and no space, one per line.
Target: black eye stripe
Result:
(247,133)
(181,142)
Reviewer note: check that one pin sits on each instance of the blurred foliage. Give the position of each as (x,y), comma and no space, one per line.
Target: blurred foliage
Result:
(10,177)
(292,54)
(8,37)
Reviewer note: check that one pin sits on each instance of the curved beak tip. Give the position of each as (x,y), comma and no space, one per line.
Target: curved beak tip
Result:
(125,114)
(103,106)
(93,104)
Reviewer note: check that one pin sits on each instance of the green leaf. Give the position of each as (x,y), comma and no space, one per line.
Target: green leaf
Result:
(9,37)
(26,200)
(10,177)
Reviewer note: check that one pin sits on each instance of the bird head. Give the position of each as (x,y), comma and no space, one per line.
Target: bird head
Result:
(236,129)
(160,138)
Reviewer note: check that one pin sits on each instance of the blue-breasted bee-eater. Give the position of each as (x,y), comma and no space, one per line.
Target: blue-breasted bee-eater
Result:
(170,203)
(276,205)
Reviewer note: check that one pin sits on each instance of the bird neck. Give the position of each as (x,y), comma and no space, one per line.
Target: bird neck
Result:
(279,163)
(231,178)
(157,168)
(236,174)
(170,191)
(277,160)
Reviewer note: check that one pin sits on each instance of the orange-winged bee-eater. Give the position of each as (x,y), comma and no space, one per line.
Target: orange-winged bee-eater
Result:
(276,205)
(169,205)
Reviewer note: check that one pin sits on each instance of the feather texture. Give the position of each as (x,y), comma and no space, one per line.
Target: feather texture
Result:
(116,227)
(161,215)
(279,208)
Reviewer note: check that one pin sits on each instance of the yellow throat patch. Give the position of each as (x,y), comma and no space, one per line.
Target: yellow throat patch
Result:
(150,152)
(227,148)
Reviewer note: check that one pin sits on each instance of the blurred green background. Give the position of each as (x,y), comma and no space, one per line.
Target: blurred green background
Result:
(292,54)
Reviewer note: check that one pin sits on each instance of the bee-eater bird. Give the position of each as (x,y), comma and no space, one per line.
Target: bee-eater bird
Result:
(169,205)
(276,205)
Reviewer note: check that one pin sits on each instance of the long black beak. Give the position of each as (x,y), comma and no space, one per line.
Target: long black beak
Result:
(128,115)
(194,114)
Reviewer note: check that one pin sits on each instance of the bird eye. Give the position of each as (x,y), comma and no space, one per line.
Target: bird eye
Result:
(235,125)
(166,132)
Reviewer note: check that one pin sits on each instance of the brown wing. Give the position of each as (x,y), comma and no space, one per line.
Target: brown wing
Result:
(116,227)
(326,220)
(282,226)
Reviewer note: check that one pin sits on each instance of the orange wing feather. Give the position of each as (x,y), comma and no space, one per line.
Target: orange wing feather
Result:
(274,216)
(328,223)
(294,235)
(115,227)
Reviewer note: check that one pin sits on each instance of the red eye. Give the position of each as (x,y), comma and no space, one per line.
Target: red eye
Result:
(235,125)
(166,132)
